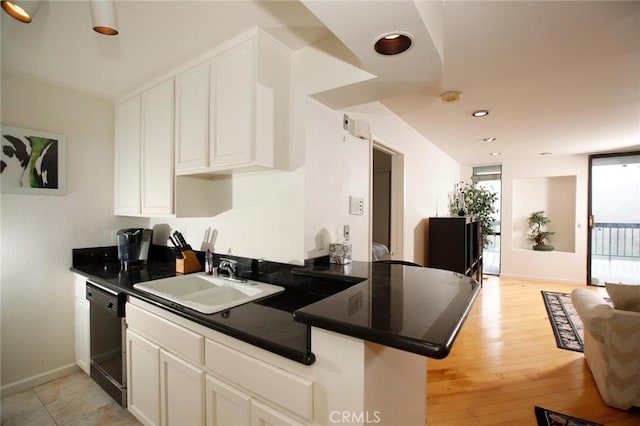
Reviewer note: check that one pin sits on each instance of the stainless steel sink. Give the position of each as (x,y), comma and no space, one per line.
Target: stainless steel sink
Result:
(207,294)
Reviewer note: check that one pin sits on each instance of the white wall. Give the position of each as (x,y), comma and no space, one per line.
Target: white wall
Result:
(338,164)
(561,266)
(429,174)
(38,232)
(265,218)
(556,197)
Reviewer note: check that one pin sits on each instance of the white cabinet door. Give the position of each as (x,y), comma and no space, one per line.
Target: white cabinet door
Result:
(192,118)
(181,392)
(157,150)
(226,405)
(231,120)
(143,379)
(83,344)
(127,157)
(263,415)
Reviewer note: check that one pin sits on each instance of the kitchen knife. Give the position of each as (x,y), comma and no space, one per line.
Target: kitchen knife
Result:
(177,250)
(183,242)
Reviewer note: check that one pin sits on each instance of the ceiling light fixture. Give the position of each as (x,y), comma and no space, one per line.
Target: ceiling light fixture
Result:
(494,154)
(450,96)
(103,16)
(480,113)
(491,139)
(545,153)
(393,43)
(21,10)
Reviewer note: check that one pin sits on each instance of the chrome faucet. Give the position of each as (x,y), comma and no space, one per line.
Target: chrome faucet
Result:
(231,267)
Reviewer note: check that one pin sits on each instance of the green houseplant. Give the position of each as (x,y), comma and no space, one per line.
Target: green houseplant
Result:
(537,222)
(470,199)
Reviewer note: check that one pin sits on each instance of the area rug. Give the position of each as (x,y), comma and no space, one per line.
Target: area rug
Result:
(565,322)
(551,418)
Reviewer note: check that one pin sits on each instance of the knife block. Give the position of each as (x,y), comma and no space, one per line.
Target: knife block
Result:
(189,263)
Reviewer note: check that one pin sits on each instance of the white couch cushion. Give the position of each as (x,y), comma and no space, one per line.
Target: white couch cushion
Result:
(625,297)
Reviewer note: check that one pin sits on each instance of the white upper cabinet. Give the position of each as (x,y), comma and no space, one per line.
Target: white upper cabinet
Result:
(192,119)
(228,111)
(144,153)
(127,157)
(157,150)
(231,118)
(237,118)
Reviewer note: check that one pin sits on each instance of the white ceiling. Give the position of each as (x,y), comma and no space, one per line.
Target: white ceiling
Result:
(560,77)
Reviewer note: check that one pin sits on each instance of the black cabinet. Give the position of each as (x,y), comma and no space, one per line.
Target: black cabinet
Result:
(455,244)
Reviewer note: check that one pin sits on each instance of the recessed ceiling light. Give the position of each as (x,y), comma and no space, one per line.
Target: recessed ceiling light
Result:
(491,139)
(393,43)
(545,153)
(450,96)
(480,113)
(494,154)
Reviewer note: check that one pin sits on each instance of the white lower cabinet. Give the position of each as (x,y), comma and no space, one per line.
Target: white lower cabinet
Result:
(143,378)
(171,380)
(226,405)
(263,415)
(181,391)
(83,348)
(163,389)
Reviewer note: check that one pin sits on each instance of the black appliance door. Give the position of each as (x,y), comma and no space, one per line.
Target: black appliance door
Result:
(107,341)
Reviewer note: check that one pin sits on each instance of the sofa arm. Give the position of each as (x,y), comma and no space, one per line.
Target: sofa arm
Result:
(593,310)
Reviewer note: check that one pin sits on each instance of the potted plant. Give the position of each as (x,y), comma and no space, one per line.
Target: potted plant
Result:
(470,199)
(537,222)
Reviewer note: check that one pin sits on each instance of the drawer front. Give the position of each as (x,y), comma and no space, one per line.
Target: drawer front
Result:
(279,386)
(172,337)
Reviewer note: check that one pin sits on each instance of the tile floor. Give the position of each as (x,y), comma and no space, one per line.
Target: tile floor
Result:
(73,400)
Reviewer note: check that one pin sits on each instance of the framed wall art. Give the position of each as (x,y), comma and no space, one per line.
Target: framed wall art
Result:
(33,162)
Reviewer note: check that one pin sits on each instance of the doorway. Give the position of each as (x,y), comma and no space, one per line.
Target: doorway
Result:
(490,178)
(387,201)
(614,218)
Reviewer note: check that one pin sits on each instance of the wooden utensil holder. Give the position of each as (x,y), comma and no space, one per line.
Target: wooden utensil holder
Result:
(189,263)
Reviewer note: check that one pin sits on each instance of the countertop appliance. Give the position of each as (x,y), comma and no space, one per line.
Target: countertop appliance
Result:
(107,340)
(133,246)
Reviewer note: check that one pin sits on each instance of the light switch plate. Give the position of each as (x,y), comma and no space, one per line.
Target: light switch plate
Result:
(356,205)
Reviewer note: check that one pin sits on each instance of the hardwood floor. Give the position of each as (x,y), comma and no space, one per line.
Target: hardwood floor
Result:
(505,362)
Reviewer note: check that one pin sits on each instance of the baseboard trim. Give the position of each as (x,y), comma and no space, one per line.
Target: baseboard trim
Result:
(29,382)
(545,279)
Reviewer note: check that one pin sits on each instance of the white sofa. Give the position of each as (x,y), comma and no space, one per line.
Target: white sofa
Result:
(611,348)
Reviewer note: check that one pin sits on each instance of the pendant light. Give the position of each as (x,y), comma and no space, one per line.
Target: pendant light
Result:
(22,10)
(103,16)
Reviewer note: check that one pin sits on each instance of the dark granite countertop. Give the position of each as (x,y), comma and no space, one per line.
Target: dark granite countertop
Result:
(420,310)
(267,324)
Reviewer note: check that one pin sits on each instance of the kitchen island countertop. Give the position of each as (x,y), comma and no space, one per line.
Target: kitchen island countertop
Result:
(419,310)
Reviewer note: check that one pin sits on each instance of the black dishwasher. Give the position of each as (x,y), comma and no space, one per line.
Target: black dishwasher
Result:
(107,340)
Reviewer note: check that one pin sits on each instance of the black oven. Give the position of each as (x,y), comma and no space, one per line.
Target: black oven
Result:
(107,340)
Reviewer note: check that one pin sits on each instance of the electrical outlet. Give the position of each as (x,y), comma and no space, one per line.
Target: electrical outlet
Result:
(345,122)
(346,233)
